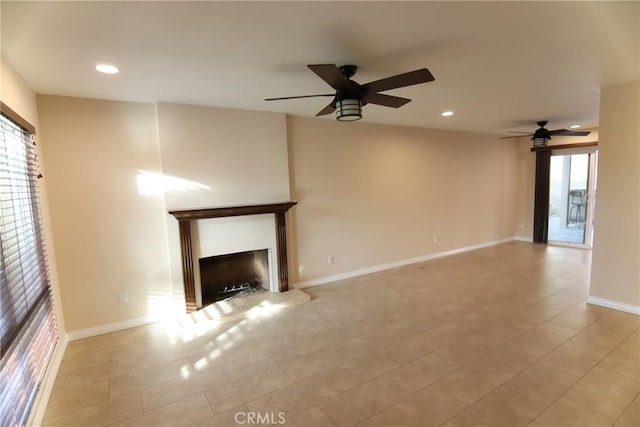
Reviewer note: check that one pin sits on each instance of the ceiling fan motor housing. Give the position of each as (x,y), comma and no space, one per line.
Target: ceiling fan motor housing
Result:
(348,70)
(354,93)
(355,90)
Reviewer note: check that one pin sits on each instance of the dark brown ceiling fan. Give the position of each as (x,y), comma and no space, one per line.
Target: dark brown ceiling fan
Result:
(351,96)
(542,135)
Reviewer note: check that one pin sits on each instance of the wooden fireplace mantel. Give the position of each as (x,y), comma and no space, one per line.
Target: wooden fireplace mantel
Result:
(185,217)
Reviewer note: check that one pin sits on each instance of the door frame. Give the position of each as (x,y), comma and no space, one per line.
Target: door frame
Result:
(590,197)
(542,177)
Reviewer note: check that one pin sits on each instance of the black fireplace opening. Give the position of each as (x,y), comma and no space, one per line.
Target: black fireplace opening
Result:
(224,276)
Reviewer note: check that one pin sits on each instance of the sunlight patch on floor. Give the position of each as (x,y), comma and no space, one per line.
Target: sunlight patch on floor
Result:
(258,306)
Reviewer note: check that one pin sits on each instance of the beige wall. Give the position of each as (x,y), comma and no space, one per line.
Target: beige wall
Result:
(526,182)
(237,157)
(15,93)
(109,229)
(375,194)
(616,251)
(224,157)
(526,171)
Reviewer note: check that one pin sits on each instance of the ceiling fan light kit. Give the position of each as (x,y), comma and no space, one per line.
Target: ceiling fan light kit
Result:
(540,142)
(348,110)
(350,96)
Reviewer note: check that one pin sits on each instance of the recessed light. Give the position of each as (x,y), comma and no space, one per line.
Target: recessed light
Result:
(447,113)
(575,126)
(107,69)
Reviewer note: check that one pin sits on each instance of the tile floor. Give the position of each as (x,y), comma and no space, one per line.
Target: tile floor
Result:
(496,337)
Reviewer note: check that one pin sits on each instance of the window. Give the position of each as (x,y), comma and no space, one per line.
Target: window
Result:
(27,325)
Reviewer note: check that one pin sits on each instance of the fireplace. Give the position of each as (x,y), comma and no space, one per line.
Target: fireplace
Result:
(185,219)
(223,276)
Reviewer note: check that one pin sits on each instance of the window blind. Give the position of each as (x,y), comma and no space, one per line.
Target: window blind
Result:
(27,323)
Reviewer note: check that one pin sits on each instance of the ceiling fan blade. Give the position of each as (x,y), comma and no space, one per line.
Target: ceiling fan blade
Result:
(326,110)
(566,132)
(386,100)
(515,136)
(515,131)
(401,80)
(296,97)
(331,75)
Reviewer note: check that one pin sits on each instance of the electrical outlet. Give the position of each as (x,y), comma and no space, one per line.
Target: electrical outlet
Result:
(124,297)
(330,259)
(435,240)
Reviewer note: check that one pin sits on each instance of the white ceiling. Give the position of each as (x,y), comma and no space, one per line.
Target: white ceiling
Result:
(498,65)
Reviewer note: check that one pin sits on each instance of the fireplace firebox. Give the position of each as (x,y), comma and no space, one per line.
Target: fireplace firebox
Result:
(223,276)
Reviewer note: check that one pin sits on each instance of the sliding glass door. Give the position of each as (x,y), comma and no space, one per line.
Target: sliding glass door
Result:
(572,197)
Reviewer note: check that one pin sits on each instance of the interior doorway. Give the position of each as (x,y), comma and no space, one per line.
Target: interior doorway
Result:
(572,196)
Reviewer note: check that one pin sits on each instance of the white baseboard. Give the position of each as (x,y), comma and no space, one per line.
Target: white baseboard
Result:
(108,328)
(44,393)
(395,264)
(615,305)
(523,239)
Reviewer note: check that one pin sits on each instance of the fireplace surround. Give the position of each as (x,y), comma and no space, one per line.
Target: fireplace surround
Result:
(185,217)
